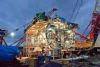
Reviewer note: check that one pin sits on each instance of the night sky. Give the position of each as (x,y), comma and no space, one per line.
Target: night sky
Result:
(16,13)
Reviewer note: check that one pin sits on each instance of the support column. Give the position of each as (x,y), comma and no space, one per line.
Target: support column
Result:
(1,40)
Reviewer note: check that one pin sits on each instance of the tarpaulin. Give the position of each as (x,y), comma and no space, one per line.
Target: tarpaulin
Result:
(8,53)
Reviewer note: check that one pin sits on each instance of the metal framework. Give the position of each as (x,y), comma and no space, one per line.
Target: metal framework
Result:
(2,35)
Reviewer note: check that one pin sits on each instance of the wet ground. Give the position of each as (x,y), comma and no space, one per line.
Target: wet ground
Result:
(93,61)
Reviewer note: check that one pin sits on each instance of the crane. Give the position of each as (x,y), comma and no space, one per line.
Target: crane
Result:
(93,26)
(2,35)
(94,30)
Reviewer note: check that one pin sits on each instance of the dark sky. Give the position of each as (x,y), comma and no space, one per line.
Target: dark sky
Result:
(16,13)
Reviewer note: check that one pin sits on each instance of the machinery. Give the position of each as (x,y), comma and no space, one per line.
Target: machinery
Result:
(52,35)
(3,33)
(63,34)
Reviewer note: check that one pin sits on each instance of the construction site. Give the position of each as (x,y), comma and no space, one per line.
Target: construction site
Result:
(48,40)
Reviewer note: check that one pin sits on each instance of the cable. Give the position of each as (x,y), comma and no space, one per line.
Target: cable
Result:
(18,40)
(17,29)
(78,9)
(74,10)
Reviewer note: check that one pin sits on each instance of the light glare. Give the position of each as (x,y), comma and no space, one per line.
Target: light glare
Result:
(12,34)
